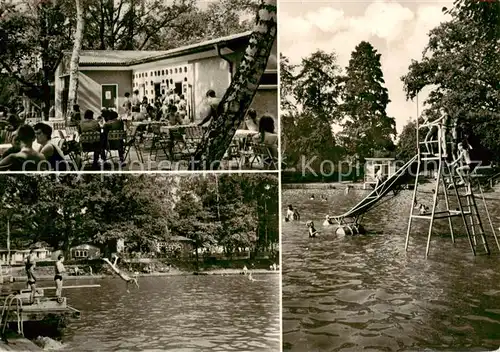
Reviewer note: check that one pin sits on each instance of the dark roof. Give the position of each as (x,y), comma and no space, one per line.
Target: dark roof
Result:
(117,57)
(135,57)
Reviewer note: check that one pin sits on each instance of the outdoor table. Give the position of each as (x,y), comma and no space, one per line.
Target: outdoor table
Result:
(241,134)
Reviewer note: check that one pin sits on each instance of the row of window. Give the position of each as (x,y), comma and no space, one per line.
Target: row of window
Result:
(153,92)
(161,73)
(80,254)
(171,81)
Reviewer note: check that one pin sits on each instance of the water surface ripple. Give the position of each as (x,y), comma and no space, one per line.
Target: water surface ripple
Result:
(177,313)
(366,293)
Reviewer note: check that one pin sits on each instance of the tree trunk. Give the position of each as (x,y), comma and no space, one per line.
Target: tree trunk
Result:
(239,95)
(197,257)
(75,56)
(9,261)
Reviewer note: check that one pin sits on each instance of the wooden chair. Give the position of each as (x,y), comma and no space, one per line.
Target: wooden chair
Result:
(115,141)
(262,152)
(134,141)
(193,136)
(90,142)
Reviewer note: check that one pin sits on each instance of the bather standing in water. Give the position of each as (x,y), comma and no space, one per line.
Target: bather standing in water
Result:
(30,266)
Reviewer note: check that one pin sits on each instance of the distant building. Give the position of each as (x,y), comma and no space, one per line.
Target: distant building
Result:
(106,75)
(18,256)
(85,251)
(388,166)
(178,246)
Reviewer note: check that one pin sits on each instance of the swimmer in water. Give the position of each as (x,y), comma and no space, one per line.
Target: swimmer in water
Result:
(327,221)
(312,197)
(289,213)
(423,209)
(346,191)
(312,231)
(323,198)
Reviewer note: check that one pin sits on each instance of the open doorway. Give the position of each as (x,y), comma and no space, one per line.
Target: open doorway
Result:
(178,88)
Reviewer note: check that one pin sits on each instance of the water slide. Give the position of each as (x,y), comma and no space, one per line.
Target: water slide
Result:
(399,177)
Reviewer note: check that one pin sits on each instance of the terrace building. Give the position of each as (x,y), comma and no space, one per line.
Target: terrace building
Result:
(106,75)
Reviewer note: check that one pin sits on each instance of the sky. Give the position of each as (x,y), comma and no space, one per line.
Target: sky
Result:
(397,29)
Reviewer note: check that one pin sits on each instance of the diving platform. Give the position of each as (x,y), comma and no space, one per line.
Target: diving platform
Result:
(18,305)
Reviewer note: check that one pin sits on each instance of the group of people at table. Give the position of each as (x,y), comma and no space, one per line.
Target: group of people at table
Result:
(48,155)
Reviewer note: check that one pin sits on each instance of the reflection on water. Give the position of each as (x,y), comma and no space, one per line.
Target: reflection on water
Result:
(365,292)
(181,313)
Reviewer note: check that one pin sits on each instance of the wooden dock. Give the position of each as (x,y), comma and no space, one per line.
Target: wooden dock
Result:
(43,308)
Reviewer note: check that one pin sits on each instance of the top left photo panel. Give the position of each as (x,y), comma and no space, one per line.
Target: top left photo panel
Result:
(138,85)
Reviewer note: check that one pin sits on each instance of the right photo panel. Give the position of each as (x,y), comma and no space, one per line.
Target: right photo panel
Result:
(390,199)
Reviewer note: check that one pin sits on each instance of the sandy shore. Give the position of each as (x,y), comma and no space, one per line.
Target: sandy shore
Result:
(18,278)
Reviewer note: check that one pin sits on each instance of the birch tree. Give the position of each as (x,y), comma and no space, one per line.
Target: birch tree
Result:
(75,56)
(239,95)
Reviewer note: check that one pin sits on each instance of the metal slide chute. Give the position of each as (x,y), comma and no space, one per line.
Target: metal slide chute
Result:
(377,194)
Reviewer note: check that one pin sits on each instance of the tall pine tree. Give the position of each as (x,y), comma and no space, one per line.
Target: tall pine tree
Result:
(367,130)
(316,85)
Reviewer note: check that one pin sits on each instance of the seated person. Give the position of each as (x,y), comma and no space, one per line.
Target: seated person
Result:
(114,124)
(90,125)
(16,146)
(14,122)
(213,105)
(75,116)
(251,121)
(27,159)
(53,154)
(174,118)
(267,135)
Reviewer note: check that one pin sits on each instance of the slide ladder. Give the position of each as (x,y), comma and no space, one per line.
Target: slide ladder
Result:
(467,207)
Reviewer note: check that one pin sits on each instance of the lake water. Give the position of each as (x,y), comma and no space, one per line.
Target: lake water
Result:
(179,313)
(366,293)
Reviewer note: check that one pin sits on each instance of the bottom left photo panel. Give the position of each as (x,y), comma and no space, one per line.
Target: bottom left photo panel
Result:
(131,262)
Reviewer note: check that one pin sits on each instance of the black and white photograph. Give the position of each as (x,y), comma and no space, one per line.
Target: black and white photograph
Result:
(390,201)
(140,262)
(92,85)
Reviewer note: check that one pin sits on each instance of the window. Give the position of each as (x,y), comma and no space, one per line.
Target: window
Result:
(152,83)
(171,71)
(171,81)
(162,72)
(146,74)
(176,70)
(81,253)
(185,79)
(185,69)
(162,81)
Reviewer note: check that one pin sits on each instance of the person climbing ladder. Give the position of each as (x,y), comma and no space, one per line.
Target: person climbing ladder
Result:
(467,165)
